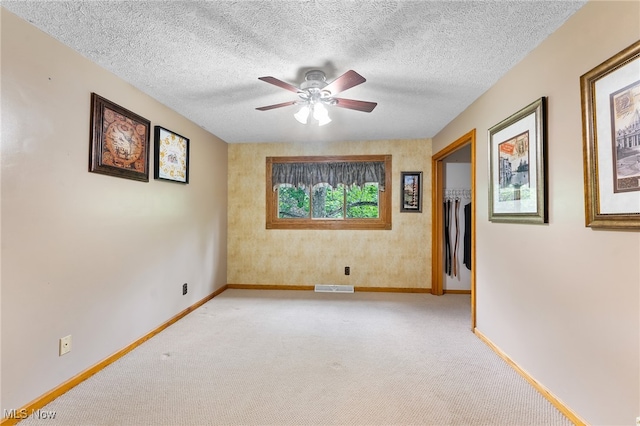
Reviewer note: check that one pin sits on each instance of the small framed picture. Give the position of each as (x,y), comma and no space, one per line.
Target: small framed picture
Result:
(411,192)
(610,96)
(171,156)
(119,141)
(517,167)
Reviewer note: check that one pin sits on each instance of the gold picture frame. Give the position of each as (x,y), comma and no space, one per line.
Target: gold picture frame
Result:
(518,166)
(610,95)
(119,141)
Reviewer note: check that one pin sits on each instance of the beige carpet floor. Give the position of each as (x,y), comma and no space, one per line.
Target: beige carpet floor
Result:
(260,357)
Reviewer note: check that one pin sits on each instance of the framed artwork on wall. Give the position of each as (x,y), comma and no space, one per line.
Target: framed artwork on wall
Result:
(610,96)
(411,192)
(517,167)
(119,141)
(171,159)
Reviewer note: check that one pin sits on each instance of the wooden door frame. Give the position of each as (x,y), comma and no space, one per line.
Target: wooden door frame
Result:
(437,194)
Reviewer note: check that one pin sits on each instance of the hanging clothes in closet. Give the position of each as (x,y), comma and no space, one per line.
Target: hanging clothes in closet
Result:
(447,243)
(453,204)
(467,236)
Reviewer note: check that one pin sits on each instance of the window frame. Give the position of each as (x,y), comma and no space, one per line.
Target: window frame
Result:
(383,222)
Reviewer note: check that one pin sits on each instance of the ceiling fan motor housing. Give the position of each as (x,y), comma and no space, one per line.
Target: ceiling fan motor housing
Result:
(314,79)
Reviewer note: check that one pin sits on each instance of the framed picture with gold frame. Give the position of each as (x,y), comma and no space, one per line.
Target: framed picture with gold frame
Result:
(518,166)
(171,159)
(119,141)
(610,95)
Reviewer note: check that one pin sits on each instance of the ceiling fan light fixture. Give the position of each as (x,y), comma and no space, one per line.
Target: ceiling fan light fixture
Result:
(321,114)
(303,115)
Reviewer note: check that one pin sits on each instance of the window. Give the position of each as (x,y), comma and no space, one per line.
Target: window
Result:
(324,202)
(337,192)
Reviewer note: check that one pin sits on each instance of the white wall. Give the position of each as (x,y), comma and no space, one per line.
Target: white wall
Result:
(99,257)
(565,306)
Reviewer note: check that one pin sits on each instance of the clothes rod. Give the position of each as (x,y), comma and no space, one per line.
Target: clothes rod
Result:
(457,194)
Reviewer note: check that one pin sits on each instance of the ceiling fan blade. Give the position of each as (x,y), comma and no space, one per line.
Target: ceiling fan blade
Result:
(268,107)
(363,106)
(280,83)
(344,82)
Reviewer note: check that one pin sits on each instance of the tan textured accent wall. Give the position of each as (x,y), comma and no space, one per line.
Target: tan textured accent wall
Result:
(400,257)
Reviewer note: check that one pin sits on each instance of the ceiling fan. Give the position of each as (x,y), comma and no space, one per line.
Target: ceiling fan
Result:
(315,93)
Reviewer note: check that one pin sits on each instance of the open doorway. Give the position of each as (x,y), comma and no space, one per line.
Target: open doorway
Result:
(461,150)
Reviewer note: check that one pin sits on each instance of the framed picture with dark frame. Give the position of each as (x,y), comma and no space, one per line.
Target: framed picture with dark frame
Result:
(411,192)
(171,159)
(119,141)
(518,167)
(610,95)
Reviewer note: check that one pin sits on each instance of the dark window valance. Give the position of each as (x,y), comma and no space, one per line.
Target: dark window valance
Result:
(310,174)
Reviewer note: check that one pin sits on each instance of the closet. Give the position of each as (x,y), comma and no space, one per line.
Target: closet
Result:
(454,172)
(456,208)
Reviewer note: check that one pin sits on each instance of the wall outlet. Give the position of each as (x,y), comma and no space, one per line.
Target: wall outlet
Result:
(347,270)
(184,289)
(65,345)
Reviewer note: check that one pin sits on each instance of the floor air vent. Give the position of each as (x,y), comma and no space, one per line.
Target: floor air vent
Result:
(331,288)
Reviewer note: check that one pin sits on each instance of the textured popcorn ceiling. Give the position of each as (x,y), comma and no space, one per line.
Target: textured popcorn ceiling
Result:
(424,61)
